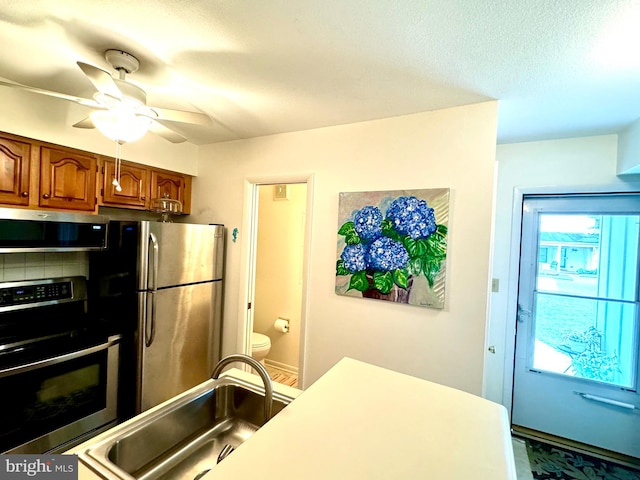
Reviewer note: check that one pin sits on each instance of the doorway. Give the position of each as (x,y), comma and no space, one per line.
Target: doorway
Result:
(577,333)
(276,291)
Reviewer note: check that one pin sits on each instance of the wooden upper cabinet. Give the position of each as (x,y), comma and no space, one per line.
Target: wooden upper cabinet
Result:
(134,181)
(15,159)
(177,186)
(67,179)
(36,174)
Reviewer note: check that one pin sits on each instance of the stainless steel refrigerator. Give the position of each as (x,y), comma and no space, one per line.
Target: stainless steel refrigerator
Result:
(160,284)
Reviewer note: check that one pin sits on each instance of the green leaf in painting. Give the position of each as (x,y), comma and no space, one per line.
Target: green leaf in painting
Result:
(416,248)
(352,238)
(436,247)
(422,247)
(401,277)
(347,228)
(359,281)
(430,268)
(383,281)
(340,270)
(411,245)
(415,266)
(388,230)
(428,274)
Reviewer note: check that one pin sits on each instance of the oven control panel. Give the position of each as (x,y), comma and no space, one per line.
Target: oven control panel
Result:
(36,293)
(30,293)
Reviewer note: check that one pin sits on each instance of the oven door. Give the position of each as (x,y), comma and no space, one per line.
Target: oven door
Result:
(50,404)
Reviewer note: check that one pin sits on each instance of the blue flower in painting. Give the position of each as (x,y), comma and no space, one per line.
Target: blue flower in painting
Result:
(367,222)
(412,217)
(386,254)
(354,257)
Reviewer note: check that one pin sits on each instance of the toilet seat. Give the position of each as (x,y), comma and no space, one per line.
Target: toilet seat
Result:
(258,340)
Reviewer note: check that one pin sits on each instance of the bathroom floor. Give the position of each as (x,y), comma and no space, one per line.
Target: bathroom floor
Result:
(282,377)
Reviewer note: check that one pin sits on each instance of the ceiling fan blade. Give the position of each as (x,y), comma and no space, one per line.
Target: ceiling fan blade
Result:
(85,123)
(82,101)
(101,79)
(154,127)
(166,133)
(182,116)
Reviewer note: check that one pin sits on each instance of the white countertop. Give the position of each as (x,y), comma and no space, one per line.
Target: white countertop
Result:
(359,421)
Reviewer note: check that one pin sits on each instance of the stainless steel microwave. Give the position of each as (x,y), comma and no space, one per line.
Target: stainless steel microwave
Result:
(42,231)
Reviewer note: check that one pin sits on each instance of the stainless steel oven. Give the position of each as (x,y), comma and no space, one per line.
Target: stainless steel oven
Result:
(58,367)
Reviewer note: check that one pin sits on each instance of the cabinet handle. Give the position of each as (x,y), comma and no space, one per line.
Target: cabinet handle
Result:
(25,194)
(46,196)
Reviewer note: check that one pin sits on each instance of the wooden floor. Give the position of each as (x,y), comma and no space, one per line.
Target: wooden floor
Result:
(282,377)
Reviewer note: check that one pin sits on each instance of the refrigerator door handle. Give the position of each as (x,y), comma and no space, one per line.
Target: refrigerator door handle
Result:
(150,323)
(153,252)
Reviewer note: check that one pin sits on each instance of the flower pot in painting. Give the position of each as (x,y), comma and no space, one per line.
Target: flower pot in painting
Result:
(397,294)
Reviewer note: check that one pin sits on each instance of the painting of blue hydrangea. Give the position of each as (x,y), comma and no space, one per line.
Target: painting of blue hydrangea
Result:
(392,246)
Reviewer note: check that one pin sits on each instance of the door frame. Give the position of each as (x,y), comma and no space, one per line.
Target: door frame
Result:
(514,267)
(248,262)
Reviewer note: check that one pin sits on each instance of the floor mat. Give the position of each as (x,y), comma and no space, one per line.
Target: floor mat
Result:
(550,462)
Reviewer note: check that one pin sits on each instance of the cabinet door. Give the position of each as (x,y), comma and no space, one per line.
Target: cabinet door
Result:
(67,180)
(170,183)
(134,182)
(14,171)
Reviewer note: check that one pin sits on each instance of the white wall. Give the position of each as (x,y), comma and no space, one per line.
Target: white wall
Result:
(629,149)
(555,166)
(452,148)
(50,120)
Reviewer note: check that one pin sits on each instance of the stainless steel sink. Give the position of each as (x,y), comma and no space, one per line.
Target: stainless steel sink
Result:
(184,438)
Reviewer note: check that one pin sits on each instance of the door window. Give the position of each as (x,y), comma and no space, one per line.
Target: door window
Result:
(585,314)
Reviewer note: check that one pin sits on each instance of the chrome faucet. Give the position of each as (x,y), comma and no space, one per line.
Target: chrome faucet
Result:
(266,380)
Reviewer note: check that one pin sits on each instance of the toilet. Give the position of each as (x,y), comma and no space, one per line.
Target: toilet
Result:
(260,346)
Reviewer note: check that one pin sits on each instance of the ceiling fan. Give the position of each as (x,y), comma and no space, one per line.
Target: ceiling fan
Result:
(120,108)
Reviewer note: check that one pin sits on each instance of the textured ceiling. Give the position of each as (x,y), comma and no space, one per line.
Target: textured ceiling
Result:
(559,67)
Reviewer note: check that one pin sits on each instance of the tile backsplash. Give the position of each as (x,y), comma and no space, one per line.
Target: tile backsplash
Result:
(31,266)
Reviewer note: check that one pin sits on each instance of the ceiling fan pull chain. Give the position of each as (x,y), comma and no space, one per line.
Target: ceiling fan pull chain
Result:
(116,179)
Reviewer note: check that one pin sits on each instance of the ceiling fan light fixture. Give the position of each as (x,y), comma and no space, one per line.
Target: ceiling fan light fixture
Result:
(120,124)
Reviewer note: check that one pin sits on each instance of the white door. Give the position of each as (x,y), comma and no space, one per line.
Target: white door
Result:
(577,333)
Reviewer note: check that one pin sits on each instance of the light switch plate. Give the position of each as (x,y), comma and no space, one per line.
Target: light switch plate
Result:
(280,192)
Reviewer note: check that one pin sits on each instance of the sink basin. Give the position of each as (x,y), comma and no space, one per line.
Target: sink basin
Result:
(183,438)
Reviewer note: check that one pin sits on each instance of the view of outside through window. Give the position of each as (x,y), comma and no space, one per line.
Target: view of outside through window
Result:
(585,299)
